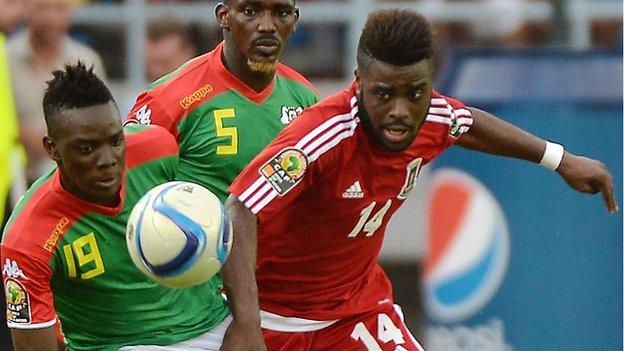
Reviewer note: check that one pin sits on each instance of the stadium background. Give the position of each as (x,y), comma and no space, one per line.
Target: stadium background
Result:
(551,67)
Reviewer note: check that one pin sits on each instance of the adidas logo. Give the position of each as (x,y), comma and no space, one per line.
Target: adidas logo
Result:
(354,191)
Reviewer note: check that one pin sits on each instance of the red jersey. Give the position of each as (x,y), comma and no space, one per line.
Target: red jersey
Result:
(323,193)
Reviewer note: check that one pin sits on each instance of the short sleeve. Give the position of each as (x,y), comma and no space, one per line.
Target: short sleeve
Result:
(451,112)
(290,164)
(27,287)
(147,110)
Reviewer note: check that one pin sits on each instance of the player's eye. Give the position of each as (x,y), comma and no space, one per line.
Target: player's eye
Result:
(285,12)
(117,142)
(86,149)
(417,94)
(382,95)
(250,11)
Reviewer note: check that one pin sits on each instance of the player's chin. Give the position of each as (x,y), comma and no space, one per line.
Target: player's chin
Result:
(106,190)
(396,144)
(262,64)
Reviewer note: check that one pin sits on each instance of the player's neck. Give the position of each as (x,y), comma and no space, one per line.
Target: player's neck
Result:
(237,64)
(75,191)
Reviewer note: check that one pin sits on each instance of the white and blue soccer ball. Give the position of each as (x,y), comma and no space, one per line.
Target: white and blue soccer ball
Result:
(179,234)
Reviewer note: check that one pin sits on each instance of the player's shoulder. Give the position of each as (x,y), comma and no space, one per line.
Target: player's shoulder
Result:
(440,100)
(290,74)
(447,119)
(180,91)
(36,216)
(148,142)
(325,126)
(339,107)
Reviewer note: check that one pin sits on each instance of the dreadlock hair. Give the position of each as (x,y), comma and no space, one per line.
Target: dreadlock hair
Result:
(395,36)
(76,86)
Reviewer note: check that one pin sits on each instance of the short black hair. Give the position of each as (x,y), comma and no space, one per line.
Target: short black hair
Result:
(75,86)
(229,2)
(396,36)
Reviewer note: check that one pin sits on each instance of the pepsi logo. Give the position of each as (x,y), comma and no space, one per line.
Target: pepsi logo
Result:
(468,250)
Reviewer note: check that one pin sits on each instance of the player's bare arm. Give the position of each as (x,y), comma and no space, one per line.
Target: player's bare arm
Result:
(239,279)
(494,136)
(35,339)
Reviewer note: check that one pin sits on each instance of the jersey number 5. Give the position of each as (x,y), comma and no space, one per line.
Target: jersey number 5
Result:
(231,132)
(370,226)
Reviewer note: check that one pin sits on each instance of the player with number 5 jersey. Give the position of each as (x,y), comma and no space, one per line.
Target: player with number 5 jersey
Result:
(220,123)
(224,107)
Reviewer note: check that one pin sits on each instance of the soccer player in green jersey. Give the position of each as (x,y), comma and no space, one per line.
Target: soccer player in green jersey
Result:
(224,107)
(64,253)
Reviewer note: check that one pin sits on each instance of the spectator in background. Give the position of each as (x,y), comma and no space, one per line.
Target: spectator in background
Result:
(169,44)
(511,30)
(11,15)
(32,56)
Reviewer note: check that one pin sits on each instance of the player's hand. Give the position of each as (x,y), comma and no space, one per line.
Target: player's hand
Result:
(243,336)
(588,176)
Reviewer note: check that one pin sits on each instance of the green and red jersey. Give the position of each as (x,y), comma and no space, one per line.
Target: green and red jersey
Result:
(219,122)
(67,257)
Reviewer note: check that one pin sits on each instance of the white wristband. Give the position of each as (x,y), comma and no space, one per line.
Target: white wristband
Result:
(552,156)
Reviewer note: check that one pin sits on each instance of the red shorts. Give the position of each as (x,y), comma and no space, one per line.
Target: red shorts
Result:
(379,330)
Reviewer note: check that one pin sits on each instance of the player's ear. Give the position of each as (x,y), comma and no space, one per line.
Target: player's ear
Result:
(51,148)
(297,16)
(222,15)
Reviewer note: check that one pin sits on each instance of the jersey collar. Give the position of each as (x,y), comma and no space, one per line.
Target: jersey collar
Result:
(232,82)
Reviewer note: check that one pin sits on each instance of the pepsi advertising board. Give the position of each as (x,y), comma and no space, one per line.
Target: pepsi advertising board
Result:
(516,259)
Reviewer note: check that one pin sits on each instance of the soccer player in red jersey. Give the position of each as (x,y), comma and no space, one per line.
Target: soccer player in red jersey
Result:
(321,194)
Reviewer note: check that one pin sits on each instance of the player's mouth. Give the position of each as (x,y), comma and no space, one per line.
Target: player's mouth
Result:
(107,182)
(396,133)
(267,46)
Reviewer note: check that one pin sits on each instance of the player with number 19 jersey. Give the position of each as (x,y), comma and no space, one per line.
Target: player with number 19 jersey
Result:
(220,123)
(323,193)
(68,257)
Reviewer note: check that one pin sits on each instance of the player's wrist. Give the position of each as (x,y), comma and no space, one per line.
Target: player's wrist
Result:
(553,154)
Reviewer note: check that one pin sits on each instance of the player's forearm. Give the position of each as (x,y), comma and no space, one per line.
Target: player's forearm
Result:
(494,136)
(239,272)
(35,340)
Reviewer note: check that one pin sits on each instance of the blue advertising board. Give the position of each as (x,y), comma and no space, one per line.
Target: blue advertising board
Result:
(522,261)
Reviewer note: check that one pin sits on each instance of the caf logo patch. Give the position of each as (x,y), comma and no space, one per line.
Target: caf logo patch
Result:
(285,170)
(17,301)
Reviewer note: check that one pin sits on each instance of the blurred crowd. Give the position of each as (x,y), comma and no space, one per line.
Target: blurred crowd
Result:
(41,36)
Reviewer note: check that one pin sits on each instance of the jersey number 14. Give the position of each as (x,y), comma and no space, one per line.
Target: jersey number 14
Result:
(370,224)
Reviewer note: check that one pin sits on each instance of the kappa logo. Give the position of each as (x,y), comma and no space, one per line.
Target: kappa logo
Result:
(12,270)
(58,231)
(354,191)
(289,113)
(143,115)
(196,96)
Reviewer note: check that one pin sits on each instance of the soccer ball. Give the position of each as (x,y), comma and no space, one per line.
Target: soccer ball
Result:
(179,234)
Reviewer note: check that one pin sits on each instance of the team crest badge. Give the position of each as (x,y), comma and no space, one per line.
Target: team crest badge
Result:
(285,170)
(410,178)
(17,301)
(454,131)
(289,113)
